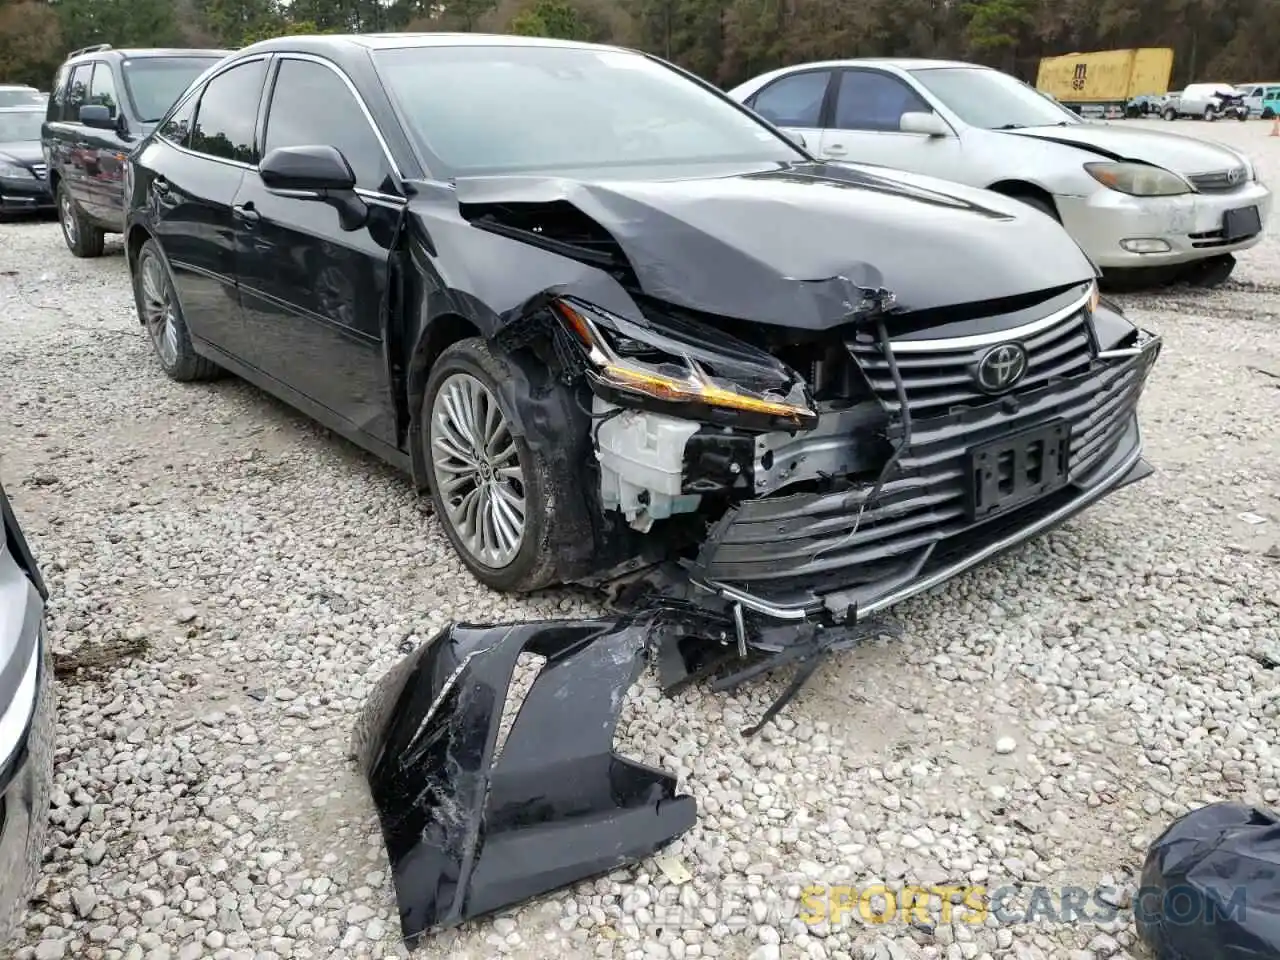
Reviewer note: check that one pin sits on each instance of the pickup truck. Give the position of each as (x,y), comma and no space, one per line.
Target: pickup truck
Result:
(1207,100)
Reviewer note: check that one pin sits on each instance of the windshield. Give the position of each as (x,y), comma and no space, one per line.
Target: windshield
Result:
(154,83)
(19,125)
(21,97)
(506,109)
(991,99)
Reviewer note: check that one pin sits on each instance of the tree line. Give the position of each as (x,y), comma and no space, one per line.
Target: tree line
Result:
(725,41)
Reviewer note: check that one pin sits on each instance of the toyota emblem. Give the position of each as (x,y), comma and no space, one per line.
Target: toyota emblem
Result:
(1001,367)
(1234,174)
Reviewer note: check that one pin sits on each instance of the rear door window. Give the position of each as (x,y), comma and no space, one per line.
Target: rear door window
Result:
(794,101)
(228,113)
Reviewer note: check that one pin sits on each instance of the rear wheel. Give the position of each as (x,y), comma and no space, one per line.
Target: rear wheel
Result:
(82,237)
(1170,113)
(1267,113)
(161,314)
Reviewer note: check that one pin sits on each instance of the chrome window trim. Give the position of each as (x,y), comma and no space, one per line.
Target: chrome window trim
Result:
(198,95)
(1001,336)
(364,109)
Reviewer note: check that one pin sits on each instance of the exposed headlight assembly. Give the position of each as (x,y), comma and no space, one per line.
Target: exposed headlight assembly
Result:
(1138,179)
(13,171)
(687,370)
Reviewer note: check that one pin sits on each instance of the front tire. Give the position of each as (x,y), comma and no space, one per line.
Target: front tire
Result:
(83,239)
(161,314)
(1210,114)
(1170,113)
(491,492)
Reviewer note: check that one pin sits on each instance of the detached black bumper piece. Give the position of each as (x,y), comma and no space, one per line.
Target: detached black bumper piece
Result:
(1211,886)
(469,829)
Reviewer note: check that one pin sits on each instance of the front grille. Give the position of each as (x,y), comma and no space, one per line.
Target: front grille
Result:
(40,170)
(782,547)
(939,380)
(1220,181)
(1213,238)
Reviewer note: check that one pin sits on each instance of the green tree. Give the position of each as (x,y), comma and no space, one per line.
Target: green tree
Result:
(30,43)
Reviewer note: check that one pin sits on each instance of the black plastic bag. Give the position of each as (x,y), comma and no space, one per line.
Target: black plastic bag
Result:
(1211,886)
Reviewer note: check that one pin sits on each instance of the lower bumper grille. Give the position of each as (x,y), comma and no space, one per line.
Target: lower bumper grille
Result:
(789,548)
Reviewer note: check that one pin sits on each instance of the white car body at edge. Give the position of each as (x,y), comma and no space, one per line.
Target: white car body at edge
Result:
(1048,161)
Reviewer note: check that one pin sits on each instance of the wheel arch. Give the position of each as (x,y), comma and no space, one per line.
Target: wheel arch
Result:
(135,236)
(1019,189)
(438,335)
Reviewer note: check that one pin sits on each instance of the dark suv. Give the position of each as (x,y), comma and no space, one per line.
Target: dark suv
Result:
(103,102)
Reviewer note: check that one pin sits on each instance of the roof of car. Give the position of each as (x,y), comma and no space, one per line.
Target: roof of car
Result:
(136,53)
(394,41)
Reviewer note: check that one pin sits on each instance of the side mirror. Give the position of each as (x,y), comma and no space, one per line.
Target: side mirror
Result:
(97,116)
(316,169)
(930,124)
(318,172)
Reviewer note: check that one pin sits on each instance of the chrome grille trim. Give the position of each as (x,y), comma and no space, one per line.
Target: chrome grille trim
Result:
(938,374)
(1219,181)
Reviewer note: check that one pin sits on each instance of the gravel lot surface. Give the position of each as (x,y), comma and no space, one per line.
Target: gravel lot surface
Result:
(242,578)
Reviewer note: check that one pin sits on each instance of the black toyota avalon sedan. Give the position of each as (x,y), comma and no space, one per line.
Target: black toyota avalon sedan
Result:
(616,323)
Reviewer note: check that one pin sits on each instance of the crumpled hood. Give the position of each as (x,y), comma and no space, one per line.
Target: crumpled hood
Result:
(783,246)
(1173,151)
(24,152)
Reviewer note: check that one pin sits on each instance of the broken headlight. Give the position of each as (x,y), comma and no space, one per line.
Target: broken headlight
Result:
(688,370)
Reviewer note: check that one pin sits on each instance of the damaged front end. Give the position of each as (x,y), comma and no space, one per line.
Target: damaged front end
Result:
(473,824)
(793,455)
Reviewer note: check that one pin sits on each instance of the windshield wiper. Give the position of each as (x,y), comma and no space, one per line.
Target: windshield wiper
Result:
(1012,126)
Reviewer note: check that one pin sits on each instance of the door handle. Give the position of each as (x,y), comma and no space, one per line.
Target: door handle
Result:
(837,150)
(245,212)
(160,185)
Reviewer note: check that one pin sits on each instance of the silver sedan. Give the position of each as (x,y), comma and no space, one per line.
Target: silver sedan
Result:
(1131,197)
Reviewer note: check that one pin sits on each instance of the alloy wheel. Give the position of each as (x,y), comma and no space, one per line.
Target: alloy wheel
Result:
(477,470)
(158,309)
(67,214)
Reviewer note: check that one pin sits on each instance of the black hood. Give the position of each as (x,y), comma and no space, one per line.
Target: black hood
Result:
(24,152)
(783,246)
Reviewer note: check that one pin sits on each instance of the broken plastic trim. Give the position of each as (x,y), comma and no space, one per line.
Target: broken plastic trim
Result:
(468,834)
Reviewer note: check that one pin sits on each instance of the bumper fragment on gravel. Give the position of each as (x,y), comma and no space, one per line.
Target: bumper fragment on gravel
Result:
(472,826)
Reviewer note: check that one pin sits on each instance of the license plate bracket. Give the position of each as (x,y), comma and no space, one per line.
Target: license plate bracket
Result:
(1240,223)
(1007,472)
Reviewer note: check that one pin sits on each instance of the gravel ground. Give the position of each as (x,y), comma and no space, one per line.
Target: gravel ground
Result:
(240,578)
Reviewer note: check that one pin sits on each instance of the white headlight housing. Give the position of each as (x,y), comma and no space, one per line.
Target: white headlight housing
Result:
(1138,179)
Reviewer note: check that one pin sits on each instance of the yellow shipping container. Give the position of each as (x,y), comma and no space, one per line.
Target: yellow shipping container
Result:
(1106,76)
